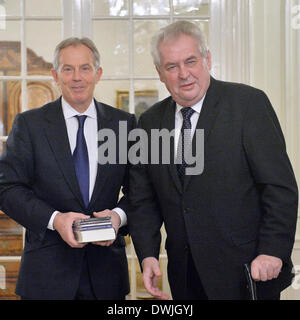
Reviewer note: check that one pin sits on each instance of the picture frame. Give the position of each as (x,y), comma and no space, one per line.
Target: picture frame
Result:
(143,99)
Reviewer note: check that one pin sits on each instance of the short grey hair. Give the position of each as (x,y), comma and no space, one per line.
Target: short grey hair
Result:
(73,41)
(174,30)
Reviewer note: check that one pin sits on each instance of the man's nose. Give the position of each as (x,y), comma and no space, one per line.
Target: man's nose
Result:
(183,72)
(76,75)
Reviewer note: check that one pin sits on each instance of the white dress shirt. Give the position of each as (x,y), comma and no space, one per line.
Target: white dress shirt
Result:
(179,120)
(91,137)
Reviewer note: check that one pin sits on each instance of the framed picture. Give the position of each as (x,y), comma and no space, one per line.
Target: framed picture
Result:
(143,99)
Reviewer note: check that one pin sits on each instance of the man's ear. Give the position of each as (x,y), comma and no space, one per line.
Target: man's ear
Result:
(159,73)
(99,73)
(208,60)
(54,75)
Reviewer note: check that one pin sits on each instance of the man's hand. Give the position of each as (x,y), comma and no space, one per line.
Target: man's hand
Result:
(265,267)
(63,225)
(151,273)
(115,220)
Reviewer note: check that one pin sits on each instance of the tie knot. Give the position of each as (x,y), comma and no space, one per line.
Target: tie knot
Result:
(187,112)
(81,120)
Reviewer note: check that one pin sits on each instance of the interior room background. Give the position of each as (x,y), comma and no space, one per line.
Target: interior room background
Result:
(256,42)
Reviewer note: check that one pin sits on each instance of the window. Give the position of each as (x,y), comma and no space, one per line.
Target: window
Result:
(125,53)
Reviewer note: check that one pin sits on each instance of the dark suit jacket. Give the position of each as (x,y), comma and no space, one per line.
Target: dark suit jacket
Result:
(37,177)
(242,205)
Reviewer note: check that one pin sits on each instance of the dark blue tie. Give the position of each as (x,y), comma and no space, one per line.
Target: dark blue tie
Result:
(81,161)
(184,140)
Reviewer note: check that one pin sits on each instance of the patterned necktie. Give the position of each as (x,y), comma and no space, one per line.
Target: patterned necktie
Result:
(81,161)
(184,141)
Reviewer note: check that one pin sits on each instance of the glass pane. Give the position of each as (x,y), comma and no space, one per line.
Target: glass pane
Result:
(112,41)
(10,7)
(110,8)
(143,32)
(147,93)
(2,145)
(151,7)
(204,26)
(10,49)
(191,7)
(41,92)
(107,91)
(9,271)
(11,236)
(41,45)
(10,97)
(143,100)
(48,8)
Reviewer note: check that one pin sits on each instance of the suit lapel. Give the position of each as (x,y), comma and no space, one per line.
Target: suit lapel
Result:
(207,117)
(56,132)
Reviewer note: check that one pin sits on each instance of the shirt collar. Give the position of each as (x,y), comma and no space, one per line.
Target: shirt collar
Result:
(70,112)
(197,107)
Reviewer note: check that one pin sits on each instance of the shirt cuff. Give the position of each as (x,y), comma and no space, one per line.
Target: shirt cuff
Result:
(122,215)
(50,223)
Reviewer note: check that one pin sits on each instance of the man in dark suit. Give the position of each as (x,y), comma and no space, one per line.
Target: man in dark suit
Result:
(50,176)
(242,208)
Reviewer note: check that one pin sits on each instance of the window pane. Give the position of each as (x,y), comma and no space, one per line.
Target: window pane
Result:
(157,85)
(10,97)
(42,45)
(11,7)
(110,8)
(116,93)
(9,273)
(151,7)
(191,7)
(11,236)
(107,91)
(112,41)
(10,49)
(143,32)
(204,26)
(47,8)
(2,145)
(147,93)
(41,92)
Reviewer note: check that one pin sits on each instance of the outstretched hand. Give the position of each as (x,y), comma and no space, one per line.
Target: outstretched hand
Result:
(151,273)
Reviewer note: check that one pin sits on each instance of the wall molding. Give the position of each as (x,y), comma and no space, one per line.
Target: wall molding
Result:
(77,18)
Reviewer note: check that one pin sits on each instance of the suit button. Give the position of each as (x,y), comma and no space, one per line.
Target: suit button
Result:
(186,210)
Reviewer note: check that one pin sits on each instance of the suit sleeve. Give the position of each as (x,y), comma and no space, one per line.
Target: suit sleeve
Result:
(17,198)
(144,219)
(124,201)
(272,171)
